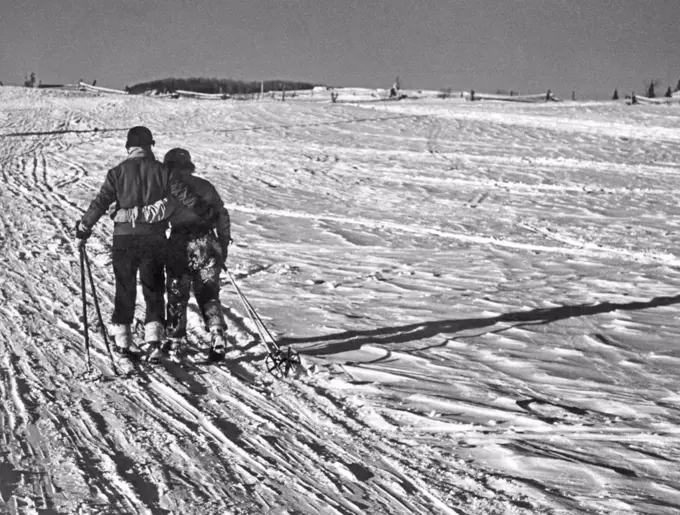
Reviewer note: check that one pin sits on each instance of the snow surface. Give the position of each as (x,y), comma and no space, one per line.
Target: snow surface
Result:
(485,294)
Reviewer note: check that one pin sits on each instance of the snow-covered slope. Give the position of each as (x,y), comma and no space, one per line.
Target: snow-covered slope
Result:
(486,293)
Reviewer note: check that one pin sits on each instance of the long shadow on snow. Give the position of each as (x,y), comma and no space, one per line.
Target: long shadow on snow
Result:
(353,340)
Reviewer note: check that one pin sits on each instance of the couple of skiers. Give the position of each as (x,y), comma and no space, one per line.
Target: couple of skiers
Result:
(147,195)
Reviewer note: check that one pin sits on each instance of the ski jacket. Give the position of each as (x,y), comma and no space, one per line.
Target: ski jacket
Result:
(183,219)
(137,181)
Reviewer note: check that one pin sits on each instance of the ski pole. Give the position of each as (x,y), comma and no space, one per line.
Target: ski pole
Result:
(99,313)
(272,341)
(251,310)
(257,321)
(276,359)
(83,291)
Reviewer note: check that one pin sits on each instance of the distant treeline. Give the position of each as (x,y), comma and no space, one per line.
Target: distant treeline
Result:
(228,86)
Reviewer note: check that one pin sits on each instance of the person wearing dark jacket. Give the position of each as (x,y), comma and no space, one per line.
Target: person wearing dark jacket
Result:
(139,247)
(196,254)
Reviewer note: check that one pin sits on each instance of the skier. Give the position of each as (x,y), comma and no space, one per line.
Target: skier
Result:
(195,256)
(138,180)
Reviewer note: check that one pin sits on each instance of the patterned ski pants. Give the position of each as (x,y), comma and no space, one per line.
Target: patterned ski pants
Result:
(194,262)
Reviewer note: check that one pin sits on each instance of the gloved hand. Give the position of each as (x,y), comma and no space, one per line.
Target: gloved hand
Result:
(225,252)
(82,232)
(126,215)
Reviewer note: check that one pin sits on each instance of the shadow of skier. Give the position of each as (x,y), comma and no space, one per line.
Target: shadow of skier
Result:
(353,340)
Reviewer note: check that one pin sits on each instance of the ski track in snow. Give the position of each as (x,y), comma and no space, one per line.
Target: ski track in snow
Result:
(485,296)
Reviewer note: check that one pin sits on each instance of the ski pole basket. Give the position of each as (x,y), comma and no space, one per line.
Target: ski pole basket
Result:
(279,362)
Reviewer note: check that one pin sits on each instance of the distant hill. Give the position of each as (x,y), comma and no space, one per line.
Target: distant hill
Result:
(206,85)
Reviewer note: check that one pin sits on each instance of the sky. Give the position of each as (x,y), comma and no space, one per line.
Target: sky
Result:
(586,46)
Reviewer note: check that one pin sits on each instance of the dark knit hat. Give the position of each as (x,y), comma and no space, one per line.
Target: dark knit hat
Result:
(139,137)
(178,158)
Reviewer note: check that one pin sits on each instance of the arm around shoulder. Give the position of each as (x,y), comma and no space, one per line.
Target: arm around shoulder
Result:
(185,194)
(152,213)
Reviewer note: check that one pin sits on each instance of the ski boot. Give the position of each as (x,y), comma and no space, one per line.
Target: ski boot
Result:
(153,336)
(155,352)
(218,344)
(122,341)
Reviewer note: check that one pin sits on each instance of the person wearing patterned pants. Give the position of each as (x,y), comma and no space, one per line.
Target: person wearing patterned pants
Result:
(194,262)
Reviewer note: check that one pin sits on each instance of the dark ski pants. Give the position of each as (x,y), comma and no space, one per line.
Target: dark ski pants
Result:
(194,262)
(144,254)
